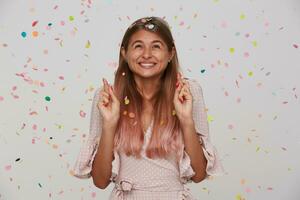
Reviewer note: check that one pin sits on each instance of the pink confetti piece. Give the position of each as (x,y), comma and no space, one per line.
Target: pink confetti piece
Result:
(226,93)
(181,23)
(248,190)
(32,141)
(8,167)
(14,88)
(1,98)
(61,77)
(33,113)
(93,194)
(224,24)
(246,54)
(230,126)
(295,46)
(82,114)
(55,7)
(34,23)
(34,127)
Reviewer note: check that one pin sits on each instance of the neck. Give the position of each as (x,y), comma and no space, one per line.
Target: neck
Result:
(148,87)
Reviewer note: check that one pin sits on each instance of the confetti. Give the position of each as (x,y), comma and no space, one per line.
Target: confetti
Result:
(35,33)
(242,16)
(131,115)
(82,114)
(71,18)
(126,101)
(88,44)
(47,98)
(24,34)
(202,71)
(295,46)
(1,98)
(8,167)
(34,23)
(231,50)
(250,73)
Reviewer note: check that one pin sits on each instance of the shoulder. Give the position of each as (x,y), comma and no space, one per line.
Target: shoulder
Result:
(195,86)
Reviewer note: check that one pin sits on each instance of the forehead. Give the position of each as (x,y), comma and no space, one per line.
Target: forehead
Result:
(145,36)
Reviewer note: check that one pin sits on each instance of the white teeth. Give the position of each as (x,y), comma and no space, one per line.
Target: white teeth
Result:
(147,64)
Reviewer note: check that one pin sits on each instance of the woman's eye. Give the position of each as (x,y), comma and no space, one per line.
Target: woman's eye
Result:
(137,46)
(156,46)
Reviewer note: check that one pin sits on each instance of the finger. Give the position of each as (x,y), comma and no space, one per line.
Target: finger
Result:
(105,83)
(112,94)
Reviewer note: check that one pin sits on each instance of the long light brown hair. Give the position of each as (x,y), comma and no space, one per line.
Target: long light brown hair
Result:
(166,135)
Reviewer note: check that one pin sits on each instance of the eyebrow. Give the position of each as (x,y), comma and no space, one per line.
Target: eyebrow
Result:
(154,41)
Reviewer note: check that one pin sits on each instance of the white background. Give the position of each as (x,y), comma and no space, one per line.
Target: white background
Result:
(254,120)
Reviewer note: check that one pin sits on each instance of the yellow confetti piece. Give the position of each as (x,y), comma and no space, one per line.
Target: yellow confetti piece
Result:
(71,18)
(210,118)
(254,43)
(88,44)
(59,126)
(257,149)
(242,16)
(250,73)
(126,101)
(239,197)
(173,112)
(231,50)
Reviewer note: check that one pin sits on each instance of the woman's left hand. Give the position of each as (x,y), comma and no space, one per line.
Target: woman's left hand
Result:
(183,100)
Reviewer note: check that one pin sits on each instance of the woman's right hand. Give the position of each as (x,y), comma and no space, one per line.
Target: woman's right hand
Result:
(109,104)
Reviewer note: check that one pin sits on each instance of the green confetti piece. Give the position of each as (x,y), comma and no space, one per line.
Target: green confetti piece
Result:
(71,18)
(40,185)
(47,98)
(24,34)
(202,71)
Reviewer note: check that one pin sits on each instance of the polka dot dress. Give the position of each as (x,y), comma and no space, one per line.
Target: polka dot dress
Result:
(145,178)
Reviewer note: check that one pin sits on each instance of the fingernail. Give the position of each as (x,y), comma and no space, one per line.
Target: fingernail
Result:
(177,84)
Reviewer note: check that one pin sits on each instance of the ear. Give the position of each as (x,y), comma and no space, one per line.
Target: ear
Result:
(123,53)
(172,53)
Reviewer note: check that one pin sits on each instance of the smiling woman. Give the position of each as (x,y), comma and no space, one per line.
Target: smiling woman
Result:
(149,131)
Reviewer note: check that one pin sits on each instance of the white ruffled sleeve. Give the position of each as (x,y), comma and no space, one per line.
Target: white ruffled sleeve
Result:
(83,165)
(214,166)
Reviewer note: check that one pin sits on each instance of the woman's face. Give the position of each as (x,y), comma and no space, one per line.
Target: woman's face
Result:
(147,54)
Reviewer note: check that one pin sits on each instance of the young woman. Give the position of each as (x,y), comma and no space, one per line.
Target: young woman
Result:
(149,131)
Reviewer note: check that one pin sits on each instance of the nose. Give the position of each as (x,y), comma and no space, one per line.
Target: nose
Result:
(147,52)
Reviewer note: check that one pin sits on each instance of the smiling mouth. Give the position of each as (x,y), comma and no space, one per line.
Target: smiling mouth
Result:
(147,65)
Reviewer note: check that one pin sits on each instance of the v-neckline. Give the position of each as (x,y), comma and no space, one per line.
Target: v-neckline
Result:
(146,131)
